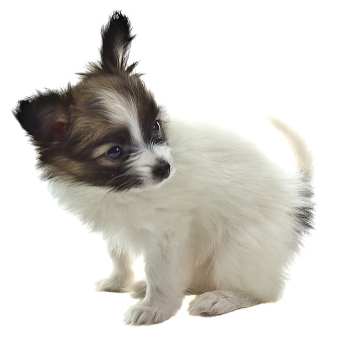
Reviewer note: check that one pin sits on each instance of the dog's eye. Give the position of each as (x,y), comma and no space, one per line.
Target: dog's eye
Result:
(157,136)
(114,152)
(156,127)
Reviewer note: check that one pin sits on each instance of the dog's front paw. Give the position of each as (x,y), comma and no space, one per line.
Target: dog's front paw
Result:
(141,314)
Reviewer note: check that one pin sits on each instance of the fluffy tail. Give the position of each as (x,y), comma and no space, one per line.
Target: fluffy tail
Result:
(300,149)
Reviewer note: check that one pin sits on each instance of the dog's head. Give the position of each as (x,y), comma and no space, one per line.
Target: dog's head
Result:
(105,131)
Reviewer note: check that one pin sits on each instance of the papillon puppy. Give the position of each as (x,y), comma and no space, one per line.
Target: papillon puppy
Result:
(208,212)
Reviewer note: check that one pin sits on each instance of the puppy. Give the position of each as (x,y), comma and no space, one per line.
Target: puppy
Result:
(208,212)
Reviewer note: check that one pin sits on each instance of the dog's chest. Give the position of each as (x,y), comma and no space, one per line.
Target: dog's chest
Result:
(113,212)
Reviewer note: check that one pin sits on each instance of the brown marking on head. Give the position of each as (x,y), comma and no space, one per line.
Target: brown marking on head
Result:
(105,109)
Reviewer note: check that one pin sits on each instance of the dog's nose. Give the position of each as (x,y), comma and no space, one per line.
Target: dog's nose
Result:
(161,170)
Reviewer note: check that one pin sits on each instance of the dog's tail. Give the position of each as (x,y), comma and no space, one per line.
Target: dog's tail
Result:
(303,155)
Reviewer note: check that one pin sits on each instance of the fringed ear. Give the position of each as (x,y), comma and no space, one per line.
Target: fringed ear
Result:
(116,40)
(45,116)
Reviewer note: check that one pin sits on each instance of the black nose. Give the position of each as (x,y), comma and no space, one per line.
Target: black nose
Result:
(161,170)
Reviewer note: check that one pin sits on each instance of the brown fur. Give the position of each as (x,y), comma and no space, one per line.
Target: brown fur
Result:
(68,126)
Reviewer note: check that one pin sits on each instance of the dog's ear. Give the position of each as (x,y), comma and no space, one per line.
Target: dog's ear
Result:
(45,116)
(116,39)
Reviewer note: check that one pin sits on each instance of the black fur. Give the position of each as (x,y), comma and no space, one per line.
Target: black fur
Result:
(116,39)
(305,214)
(39,114)
(67,126)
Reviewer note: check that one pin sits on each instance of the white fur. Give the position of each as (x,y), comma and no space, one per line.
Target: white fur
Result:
(224,221)
(302,154)
(122,111)
(219,302)
(142,162)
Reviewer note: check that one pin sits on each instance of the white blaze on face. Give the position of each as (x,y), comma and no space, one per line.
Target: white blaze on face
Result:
(143,162)
(162,151)
(122,112)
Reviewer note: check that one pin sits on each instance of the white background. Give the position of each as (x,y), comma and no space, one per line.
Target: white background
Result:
(232,63)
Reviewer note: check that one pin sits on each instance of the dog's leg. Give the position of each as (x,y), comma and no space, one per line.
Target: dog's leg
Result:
(121,277)
(167,279)
(138,289)
(219,302)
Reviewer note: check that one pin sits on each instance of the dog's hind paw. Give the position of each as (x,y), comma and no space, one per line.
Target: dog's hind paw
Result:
(113,284)
(218,302)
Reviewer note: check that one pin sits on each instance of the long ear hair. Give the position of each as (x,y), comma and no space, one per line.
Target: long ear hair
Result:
(116,40)
(45,116)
